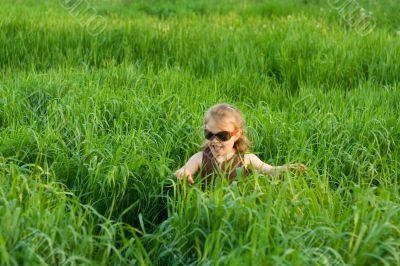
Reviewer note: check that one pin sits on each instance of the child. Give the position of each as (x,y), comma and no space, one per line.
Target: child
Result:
(226,149)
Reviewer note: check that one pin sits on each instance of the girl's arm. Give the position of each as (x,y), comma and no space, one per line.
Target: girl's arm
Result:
(252,159)
(190,168)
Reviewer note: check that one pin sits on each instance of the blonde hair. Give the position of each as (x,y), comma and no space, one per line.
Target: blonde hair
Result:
(221,112)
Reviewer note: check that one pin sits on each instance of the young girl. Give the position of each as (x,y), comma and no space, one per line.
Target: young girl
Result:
(226,149)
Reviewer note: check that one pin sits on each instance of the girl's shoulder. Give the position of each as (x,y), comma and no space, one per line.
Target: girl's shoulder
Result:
(248,158)
(198,155)
(195,160)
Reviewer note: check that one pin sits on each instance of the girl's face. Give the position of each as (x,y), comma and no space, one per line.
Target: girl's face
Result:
(218,147)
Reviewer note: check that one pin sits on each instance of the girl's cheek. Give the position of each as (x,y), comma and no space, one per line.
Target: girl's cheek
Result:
(231,144)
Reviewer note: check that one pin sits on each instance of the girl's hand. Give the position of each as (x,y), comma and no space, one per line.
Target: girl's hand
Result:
(297,167)
(181,173)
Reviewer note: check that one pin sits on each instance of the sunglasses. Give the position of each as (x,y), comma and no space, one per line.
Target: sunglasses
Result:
(222,135)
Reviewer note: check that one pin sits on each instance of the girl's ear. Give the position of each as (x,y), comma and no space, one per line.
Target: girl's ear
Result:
(238,134)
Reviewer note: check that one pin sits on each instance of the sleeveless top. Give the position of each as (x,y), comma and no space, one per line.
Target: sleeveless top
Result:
(230,169)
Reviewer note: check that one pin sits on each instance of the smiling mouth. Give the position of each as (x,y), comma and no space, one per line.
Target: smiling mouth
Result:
(217,147)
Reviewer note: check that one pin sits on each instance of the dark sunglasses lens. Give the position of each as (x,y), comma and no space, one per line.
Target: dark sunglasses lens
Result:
(223,135)
(209,135)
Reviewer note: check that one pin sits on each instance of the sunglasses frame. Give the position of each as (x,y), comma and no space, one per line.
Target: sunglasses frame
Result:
(210,135)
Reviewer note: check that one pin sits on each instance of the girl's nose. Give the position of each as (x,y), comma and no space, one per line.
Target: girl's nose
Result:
(215,140)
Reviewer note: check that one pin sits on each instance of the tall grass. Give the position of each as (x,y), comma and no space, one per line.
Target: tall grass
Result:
(92,129)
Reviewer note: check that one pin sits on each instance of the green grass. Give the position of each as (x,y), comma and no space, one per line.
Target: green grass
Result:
(93,127)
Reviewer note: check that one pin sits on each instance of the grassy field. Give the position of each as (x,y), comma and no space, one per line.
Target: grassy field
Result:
(94,124)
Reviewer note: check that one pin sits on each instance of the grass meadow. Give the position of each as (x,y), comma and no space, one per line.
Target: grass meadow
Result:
(93,126)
